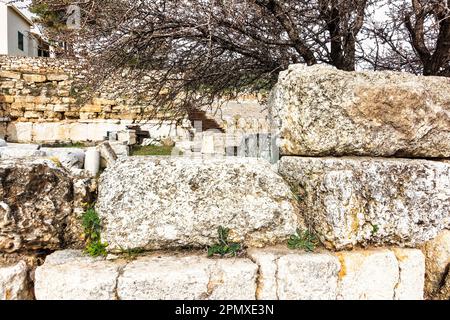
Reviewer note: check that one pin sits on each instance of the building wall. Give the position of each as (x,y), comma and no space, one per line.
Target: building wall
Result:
(15,23)
(3,29)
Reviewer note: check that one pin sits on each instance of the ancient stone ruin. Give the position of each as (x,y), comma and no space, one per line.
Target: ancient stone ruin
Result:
(358,206)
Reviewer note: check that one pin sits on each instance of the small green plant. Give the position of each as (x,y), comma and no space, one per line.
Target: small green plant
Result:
(151,151)
(375,229)
(224,247)
(303,240)
(298,193)
(131,253)
(96,249)
(92,227)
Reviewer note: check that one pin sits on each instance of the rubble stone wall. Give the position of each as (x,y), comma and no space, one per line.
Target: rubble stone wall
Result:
(39,103)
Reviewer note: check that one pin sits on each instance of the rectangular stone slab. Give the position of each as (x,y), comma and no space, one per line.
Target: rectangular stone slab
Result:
(322,111)
(169,202)
(371,201)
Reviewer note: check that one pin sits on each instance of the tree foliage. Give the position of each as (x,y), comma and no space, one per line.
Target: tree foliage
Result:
(191,51)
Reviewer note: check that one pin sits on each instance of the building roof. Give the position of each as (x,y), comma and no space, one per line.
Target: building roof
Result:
(24,17)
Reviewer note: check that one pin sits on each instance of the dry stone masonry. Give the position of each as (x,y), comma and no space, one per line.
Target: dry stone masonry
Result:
(364,168)
(39,102)
(272,273)
(342,135)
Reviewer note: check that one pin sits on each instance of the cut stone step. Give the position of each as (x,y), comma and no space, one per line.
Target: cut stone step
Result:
(322,111)
(274,273)
(364,201)
(160,202)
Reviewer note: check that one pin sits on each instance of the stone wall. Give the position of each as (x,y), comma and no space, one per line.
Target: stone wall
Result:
(367,155)
(40,103)
(382,220)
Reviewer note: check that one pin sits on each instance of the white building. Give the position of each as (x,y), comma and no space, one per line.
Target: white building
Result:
(16,36)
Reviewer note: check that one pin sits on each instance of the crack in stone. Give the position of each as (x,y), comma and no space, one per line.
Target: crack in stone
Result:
(277,268)
(120,271)
(399,281)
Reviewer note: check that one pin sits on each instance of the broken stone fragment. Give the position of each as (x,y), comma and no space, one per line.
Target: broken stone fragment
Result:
(322,111)
(36,201)
(70,158)
(107,154)
(371,201)
(161,202)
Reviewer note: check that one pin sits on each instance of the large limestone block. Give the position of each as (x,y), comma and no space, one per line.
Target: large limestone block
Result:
(350,201)
(18,153)
(71,275)
(162,202)
(50,132)
(233,279)
(287,275)
(322,111)
(20,132)
(368,275)
(437,253)
(36,200)
(191,278)
(411,283)
(14,284)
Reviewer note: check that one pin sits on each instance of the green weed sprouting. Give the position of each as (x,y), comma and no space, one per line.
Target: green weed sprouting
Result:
(303,240)
(92,227)
(224,247)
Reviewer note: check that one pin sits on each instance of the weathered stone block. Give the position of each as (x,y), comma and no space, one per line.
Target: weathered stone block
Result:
(437,253)
(61,108)
(10,75)
(36,200)
(233,279)
(368,275)
(57,77)
(19,132)
(322,111)
(192,278)
(71,275)
(162,202)
(286,275)
(351,201)
(33,114)
(91,108)
(6,99)
(411,263)
(14,284)
(34,77)
(102,101)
